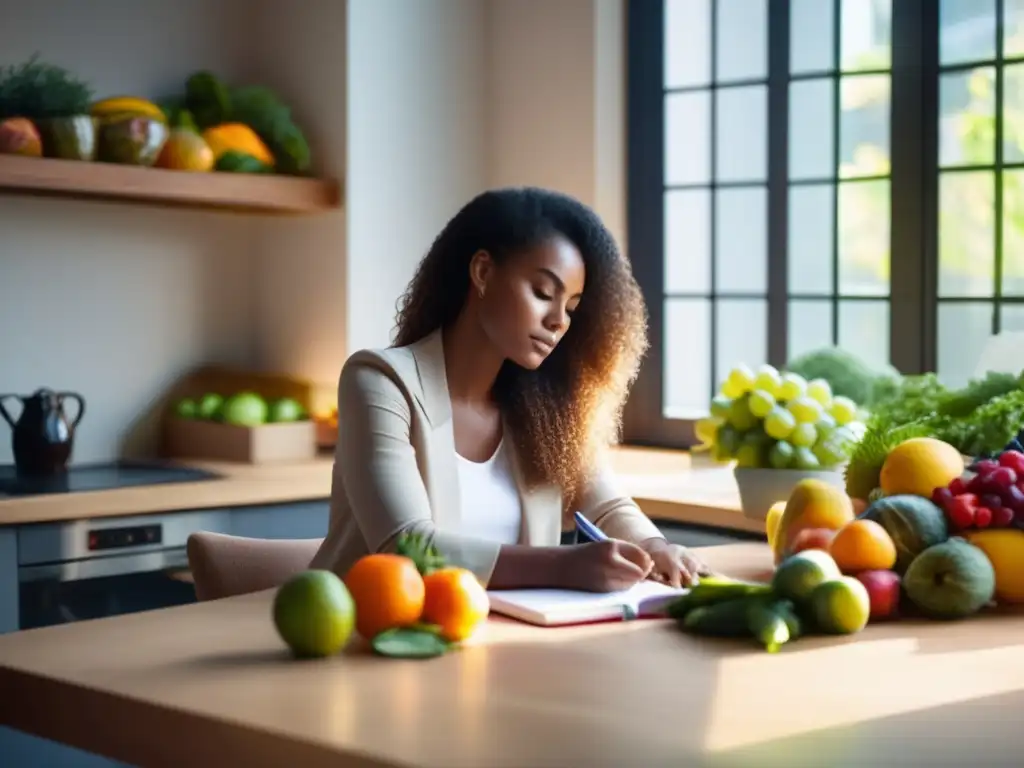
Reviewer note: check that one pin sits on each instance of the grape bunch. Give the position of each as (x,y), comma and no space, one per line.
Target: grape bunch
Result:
(773,419)
(991,497)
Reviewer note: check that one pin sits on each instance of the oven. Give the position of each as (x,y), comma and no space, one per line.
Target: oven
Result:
(90,569)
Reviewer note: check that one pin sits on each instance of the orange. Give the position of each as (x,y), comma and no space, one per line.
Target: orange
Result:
(456,602)
(388,591)
(863,545)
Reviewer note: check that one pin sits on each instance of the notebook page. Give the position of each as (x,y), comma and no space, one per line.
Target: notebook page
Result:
(560,605)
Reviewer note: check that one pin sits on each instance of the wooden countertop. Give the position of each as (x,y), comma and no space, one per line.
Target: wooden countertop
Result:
(642,693)
(666,484)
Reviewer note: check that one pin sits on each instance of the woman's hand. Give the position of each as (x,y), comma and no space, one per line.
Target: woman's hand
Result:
(673,564)
(604,566)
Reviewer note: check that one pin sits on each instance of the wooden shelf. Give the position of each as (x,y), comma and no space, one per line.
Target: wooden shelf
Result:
(155,186)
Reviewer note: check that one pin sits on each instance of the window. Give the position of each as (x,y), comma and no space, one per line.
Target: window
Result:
(814,172)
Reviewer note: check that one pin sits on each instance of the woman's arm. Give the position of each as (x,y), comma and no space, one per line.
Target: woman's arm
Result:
(380,475)
(606,504)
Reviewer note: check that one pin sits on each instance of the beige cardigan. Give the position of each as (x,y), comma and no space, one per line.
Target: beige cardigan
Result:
(395,469)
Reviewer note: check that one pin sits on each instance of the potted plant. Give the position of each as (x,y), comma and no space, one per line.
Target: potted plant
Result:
(777,429)
(56,102)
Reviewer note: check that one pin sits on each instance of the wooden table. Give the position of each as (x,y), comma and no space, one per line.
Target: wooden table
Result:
(210,685)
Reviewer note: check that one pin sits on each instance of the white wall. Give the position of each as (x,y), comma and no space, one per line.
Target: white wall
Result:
(115,301)
(416,139)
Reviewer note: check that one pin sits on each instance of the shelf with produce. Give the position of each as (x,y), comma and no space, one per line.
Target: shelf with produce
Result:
(211,145)
(107,181)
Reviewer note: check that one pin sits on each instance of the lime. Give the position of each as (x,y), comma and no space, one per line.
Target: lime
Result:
(285,409)
(799,575)
(314,613)
(186,408)
(841,606)
(779,423)
(768,379)
(246,409)
(793,386)
(210,406)
(761,401)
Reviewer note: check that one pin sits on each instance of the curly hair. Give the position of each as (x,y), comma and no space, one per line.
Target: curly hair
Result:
(566,411)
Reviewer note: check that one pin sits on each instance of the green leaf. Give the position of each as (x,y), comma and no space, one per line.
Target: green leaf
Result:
(409,644)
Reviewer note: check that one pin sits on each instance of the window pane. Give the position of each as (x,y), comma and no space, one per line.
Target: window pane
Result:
(963,329)
(810,326)
(811,117)
(967,117)
(966,235)
(967,30)
(688,241)
(1011,318)
(687,357)
(688,138)
(1013,233)
(811,223)
(741,240)
(742,330)
(865,34)
(864,330)
(1013,113)
(864,126)
(864,238)
(742,45)
(741,135)
(687,42)
(810,36)
(1013,27)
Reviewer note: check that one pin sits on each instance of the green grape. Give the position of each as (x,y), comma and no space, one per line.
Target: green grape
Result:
(720,454)
(804,458)
(732,390)
(761,402)
(804,435)
(829,452)
(740,415)
(720,406)
(820,390)
(728,439)
(749,456)
(757,437)
(779,423)
(742,377)
(843,410)
(793,386)
(768,379)
(781,455)
(706,430)
(805,410)
(826,424)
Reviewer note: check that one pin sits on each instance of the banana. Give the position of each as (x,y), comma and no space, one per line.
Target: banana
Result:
(117,106)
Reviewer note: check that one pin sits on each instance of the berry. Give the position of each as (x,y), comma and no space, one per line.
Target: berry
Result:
(961,510)
(982,517)
(1002,517)
(985,466)
(942,497)
(1003,477)
(1012,459)
(957,486)
(991,500)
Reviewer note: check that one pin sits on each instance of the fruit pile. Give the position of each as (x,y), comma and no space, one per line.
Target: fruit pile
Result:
(992,496)
(409,604)
(773,419)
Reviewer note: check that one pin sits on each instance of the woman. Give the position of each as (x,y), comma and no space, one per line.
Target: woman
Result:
(484,426)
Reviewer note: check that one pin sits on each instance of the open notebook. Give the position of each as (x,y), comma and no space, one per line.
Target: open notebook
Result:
(555,607)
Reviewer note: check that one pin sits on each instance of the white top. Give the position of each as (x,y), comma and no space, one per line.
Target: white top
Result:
(491,508)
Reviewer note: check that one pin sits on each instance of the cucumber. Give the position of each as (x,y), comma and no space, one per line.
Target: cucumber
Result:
(793,622)
(725,619)
(767,624)
(711,591)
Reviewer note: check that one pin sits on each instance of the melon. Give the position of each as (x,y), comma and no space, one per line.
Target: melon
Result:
(951,580)
(914,523)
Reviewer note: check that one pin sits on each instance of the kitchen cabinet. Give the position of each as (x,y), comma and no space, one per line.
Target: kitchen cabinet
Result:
(8,579)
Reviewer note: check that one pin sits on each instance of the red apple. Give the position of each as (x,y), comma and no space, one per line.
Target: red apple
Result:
(811,538)
(883,591)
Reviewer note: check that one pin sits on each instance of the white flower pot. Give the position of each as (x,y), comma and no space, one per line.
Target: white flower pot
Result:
(760,488)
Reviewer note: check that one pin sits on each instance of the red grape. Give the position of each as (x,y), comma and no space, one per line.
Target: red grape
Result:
(957,486)
(992,500)
(985,466)
(982,517)
(1002,517)
(942,497)
(1002,477)
(1013,497)
(1014,460)
(978,484)
(961,511)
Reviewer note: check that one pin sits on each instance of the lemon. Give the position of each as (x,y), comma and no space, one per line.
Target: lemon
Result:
(920,465)
(771,521)
(314,613)
(1005,550)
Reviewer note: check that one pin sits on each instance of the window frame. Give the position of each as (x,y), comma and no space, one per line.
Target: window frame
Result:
(913,208)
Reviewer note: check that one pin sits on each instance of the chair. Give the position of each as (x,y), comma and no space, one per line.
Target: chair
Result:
(223,566)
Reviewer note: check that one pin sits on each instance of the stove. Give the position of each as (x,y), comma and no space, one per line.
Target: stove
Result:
(99,477)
